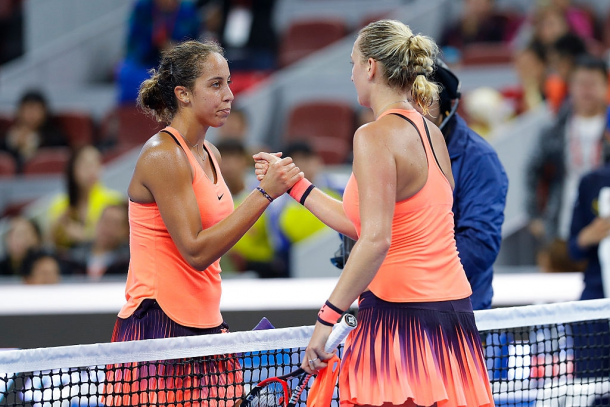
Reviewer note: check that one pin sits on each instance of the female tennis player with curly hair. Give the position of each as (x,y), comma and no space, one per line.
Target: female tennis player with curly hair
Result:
(181,221)
(416,343)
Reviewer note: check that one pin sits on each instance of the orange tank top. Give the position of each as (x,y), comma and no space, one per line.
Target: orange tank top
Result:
(158,271)
(422,263)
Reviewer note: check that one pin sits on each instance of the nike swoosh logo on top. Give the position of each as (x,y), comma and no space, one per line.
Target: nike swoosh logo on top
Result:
(220,197)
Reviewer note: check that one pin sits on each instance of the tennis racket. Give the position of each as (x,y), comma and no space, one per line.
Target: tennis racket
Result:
(275,391)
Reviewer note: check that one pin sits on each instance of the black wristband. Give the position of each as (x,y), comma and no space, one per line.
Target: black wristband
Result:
(306,194)
(331,306)
(320,320)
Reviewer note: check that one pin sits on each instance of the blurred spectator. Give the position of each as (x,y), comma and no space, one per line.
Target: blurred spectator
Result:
(588,229)
(154,26)
(289,221)
(486,109)
(74,215)
(478,23)
(11,30)
(551,19)
(245,30)
(550,24)
(575,144)
(579,20)
(364,116)
(32,129)
(253,251)
(109,252)
(561,56)
(40,267)
(531,67)
(236,126)
(23,236)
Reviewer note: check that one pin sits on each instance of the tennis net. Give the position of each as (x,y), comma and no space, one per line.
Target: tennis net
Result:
(543,355)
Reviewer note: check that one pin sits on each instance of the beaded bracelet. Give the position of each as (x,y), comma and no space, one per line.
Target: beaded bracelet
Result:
(265,194)
(329,314)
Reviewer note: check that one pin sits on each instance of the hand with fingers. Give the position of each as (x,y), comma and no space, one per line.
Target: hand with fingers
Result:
(280,174)
(261,163)
(315,355)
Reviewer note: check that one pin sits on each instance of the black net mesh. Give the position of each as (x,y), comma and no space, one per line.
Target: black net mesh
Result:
(214,381)
(548,365)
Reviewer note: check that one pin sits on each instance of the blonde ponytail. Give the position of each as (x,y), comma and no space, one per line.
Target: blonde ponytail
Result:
(407,59)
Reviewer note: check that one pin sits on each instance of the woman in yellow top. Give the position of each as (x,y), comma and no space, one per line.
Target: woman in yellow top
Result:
(73,215)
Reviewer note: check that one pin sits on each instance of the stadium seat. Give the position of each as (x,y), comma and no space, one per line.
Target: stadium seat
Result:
(321,119)
(51,160)
(333,151)
(78,127)
(7,164)
(129,126)
(486,54)
(328,126)
(305,37)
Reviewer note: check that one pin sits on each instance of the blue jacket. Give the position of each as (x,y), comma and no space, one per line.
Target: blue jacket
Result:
(585,211)
(478,206)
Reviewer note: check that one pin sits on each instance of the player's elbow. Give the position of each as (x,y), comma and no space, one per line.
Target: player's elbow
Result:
(197,260)
(376,244)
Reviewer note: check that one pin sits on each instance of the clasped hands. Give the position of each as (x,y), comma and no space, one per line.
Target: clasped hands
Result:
(276,174)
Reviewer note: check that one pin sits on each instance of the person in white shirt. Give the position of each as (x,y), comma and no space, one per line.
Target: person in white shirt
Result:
(577,143)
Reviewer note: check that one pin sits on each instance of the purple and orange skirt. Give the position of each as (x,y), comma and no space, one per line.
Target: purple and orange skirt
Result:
(424,354)
(211,381)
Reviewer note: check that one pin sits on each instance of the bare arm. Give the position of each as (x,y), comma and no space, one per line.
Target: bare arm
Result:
(163,170)
(326,208)
(375,172)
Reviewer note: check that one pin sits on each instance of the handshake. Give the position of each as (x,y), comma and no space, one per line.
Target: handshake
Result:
(276,175)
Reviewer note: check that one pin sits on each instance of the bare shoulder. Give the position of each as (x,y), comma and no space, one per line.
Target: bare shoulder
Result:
(162,152)
(212,148)
(370,134)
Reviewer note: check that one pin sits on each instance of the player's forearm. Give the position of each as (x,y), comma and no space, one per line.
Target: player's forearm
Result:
(362,266)
(214,242)
(330,211)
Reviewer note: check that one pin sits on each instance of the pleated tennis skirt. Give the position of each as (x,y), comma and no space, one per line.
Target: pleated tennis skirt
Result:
(414,353)
(210,381)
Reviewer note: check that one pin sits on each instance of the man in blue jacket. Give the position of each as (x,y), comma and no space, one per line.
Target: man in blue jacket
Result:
(480,190)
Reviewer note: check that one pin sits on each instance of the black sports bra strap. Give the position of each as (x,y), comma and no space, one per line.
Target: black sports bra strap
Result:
(431,146)
(174,137)
(420,136)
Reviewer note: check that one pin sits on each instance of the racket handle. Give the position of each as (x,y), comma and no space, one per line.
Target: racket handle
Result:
(341,329)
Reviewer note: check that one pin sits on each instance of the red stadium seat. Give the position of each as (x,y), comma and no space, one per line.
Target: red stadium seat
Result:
(321,119)
(486,54)
(78,127)
(51,160)
(129,126)
(305,37)
(7,164)
(327,126)
(331,150)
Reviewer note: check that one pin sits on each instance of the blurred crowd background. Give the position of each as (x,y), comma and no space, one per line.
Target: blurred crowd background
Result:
(70,129)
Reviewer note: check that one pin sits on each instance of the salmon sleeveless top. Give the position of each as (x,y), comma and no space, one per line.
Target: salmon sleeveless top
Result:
(158,271)
(422,263)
